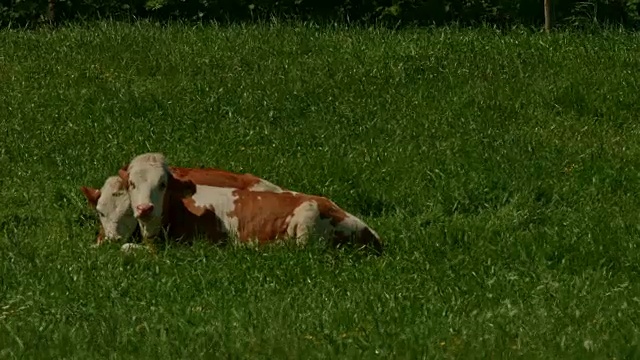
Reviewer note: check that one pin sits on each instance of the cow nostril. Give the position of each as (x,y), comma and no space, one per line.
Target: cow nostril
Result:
(144,209)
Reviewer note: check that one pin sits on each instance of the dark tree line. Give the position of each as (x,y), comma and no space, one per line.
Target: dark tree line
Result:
(382,12)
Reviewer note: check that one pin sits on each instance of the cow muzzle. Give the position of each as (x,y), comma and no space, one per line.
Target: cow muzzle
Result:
(144,210)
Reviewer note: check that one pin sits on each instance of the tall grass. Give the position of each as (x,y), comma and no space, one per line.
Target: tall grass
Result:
(500,168)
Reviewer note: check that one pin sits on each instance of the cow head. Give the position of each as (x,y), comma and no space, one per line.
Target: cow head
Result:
(146,179)
(114,209)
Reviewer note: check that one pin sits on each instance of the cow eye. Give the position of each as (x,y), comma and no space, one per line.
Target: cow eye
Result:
(101,214)
(163,185)
(132,185)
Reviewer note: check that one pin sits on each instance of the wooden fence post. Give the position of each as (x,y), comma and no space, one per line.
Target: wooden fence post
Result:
(51,13)
(547,15)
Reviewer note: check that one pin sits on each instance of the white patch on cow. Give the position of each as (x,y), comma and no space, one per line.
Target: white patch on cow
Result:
(222,201)
(264,185)
(352,225)
(114,209)
(148,177)
(305,221)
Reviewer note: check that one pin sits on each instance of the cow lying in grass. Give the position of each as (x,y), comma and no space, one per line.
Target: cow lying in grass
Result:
(117,220)
(160,201)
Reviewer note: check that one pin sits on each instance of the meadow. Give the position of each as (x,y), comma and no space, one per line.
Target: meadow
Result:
(500,167)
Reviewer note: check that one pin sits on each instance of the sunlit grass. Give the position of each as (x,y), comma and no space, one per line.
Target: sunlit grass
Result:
(501,169)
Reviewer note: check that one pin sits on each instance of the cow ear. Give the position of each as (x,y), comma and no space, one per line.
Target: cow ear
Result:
(124,175)
(91,194)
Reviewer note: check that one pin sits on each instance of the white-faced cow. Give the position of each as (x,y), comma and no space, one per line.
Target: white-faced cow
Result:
(185,209)
(112,202)
(114,209)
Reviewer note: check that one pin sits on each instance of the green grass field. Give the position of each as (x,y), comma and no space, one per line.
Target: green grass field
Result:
(501,169)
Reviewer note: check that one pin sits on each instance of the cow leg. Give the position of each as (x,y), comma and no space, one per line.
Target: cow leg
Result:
(303,221)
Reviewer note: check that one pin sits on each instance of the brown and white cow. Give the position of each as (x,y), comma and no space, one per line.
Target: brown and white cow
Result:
(185,209)
(113,205)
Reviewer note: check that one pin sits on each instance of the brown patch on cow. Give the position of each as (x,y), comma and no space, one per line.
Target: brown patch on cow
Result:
(91,194)
(215,177)
(329,210)
(180,187)
(265,216)
(183,219)
(205,220)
